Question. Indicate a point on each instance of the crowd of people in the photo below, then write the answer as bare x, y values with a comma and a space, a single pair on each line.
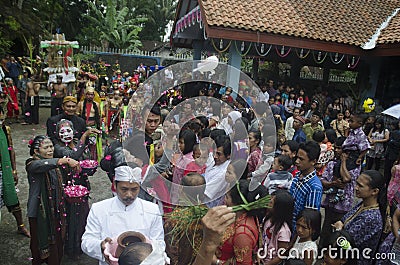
219, 149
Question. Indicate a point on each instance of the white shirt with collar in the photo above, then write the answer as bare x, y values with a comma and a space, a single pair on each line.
216, 185
110, 218
289, 131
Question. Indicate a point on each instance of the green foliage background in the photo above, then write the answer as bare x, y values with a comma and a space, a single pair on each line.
118, 24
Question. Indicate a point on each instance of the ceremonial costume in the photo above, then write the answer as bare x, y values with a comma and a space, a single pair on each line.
8, 195
76, 212
46, 211
12, 107
56, 106
32, 107
78, 122
102, 73
113, 117
95, 143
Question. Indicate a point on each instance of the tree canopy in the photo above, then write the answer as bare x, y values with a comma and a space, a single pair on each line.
118, 24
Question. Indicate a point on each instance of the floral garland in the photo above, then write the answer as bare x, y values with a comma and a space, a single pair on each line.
301, 55
262, 48
242, 49
353, 63
221, 43
318, 60
282, 53
335, 60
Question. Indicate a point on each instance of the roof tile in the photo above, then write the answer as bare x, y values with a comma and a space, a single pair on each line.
342, 21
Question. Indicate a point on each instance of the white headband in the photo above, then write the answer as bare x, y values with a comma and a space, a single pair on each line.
126, 173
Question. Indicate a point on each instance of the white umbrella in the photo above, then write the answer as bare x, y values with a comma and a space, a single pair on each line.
393, 111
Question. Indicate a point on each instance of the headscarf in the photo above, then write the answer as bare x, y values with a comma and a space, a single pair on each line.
70, 98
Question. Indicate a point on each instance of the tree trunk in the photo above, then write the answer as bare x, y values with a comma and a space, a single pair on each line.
19, 4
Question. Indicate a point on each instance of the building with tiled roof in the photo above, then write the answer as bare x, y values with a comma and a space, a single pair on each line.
355, 26
346, 34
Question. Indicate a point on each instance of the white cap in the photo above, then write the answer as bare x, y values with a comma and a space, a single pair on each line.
126, 173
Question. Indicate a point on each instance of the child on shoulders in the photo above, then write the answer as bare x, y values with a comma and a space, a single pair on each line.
200, 156
280, 178
356, 144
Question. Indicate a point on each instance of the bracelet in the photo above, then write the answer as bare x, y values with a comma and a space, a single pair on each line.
15, 171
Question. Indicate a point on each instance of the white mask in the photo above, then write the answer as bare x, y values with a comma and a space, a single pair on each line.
66, 134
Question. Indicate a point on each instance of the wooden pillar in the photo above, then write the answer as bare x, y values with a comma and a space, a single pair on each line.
374, 65
255, 69
197, 48
325, 79
295, 70
233, 76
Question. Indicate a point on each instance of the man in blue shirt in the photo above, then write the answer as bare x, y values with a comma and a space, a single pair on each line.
306, 188
299, 135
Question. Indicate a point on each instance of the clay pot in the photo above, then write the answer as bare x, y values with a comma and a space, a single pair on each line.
127, 238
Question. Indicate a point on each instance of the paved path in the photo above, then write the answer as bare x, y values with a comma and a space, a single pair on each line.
14, 248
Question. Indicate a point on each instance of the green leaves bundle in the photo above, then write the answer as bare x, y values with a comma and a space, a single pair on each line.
187, 219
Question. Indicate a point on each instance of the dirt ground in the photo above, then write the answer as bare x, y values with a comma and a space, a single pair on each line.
14, 248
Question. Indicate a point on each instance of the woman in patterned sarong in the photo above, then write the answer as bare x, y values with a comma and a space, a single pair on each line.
364, 222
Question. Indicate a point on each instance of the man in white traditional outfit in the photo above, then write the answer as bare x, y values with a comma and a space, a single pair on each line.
125, 212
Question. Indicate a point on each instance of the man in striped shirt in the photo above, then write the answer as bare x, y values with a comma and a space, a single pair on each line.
306, 187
